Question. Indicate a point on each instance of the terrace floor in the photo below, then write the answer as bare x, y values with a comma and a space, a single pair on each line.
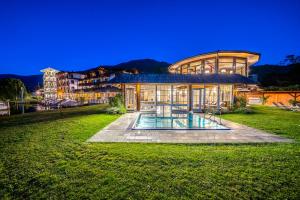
120, 131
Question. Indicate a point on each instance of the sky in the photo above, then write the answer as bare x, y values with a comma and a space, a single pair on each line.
76, 35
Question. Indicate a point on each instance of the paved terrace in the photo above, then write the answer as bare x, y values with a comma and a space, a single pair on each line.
120, 131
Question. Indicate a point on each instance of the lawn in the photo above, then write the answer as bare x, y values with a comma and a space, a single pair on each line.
45, 155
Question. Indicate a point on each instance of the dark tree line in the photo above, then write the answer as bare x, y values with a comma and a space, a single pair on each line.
279, 75
10, 89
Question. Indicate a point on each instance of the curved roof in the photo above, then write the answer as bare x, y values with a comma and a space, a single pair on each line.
181, 78
252, 57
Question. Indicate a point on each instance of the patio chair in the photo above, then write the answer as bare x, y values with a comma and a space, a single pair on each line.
279, 106
284, 106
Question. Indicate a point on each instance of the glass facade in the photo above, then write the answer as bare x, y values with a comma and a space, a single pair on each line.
169, 99
221, 65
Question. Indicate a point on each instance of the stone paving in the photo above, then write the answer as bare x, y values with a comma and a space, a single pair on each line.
120, 131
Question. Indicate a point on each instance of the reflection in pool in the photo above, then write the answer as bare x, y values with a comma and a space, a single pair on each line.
176, 121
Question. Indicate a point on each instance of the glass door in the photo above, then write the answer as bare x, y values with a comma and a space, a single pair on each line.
130, 99
198, 99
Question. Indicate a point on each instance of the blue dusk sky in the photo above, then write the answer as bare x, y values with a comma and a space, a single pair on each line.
75, 35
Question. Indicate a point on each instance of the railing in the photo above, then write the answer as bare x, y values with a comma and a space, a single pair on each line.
211, 112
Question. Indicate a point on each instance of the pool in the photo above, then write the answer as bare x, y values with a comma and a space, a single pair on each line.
149, 121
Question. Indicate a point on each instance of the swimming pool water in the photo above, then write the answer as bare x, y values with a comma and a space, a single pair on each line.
181, 121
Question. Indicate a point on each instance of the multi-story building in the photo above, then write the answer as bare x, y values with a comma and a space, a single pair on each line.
67, 84
86, 87
50, 84
94, 78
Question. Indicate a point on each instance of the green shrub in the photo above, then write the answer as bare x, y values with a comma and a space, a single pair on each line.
116, 101
116, 104
245, 110
293, 102
239, 102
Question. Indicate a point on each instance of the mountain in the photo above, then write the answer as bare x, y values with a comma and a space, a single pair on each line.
144, 66
31, 81
141, 65
277, 75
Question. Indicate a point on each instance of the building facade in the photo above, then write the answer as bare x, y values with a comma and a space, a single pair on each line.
199, 83
85, 87
67, 84
50, 84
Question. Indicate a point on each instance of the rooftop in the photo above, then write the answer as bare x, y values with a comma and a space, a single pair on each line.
181, 78
252, 57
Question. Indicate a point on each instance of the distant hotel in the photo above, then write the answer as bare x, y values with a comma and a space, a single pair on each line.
194, 84
84, 87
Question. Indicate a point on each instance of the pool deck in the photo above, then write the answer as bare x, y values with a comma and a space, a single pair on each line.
120, 131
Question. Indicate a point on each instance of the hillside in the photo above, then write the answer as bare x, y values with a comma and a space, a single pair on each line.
144, 66
277, 75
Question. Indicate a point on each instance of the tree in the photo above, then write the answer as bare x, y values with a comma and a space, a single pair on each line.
291, 59
10, 89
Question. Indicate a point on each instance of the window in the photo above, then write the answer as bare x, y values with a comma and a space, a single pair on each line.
180, 97
225, 95
211, 93
163, 94
197, 66
180, 94
240, 66
209, 66
184, 69
226, 65
148, 97
191, 69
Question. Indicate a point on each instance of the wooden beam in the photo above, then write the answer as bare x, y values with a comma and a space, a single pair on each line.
218, 98
138, 96
190, 97
123, 92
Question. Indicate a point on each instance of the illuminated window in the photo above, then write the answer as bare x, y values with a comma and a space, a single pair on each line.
197, 67
209, 65
225, 64
184, 69
240, 66
148, 97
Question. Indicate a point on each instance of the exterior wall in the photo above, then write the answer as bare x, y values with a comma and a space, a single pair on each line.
275, 96
93, 96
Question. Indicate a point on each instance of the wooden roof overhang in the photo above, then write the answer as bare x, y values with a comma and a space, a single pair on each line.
251, 57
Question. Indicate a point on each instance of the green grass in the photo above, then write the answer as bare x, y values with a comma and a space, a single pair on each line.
270, 119
44, 155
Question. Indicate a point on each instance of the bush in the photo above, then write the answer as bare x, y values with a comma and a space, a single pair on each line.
245, 110
240, 105
293, 102
116, 104
239, 102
